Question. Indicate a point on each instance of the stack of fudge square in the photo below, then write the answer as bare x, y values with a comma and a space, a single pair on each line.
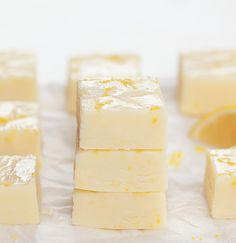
120, 174
19, 139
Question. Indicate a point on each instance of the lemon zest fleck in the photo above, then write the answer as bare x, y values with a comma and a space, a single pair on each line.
126, 82
7, 183
175, 159
107, 91
14, 237
154, 108
154, 120
234, 182
105, 81
99, 105
217, 236
200, 149
130, 167
231, 163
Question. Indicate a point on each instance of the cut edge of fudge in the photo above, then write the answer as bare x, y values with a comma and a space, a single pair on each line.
131, 171
119, 210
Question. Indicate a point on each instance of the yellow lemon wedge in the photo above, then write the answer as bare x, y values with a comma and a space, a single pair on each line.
217, 128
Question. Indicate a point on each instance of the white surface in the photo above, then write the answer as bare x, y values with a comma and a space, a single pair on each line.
187, 209
157, 29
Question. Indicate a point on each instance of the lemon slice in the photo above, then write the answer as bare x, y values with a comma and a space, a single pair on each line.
217, 128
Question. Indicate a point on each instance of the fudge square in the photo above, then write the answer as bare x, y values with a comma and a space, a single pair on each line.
18, 76
220, 183
207, 81
119, 210
98, 65
121, 113
121, 170
19, 128
18, 190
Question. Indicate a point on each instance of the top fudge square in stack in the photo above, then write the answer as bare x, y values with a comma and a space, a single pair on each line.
121, 113
18, 76
98, 66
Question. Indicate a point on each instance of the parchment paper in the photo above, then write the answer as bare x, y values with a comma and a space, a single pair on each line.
188, 219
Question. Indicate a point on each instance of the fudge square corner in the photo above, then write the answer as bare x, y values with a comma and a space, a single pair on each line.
121, 113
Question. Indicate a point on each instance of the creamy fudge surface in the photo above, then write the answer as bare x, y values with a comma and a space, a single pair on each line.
211, 62
134, 86
220, 183
19, 128
17, 64
15, 110
18, 79
100, 65
129, 113
224, 161
119, 210
205, 78
17, 169
18, 115
211, 66
97, 66
31, 123
121, 170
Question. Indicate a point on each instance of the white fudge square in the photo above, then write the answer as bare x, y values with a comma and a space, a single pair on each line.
121, 170
121, 113
19, 128
205, 79
18, 190
220, 183
18, 76
119, 210
97, 66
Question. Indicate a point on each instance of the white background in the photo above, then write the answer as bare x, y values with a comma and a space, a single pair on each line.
158, 30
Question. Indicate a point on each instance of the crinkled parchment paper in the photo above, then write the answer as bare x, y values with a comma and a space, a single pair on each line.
188, 219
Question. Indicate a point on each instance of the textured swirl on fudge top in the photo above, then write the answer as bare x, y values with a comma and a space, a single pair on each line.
125, 93
18, 115
16, 169
17, 64
210, 63
103, 65
224, 161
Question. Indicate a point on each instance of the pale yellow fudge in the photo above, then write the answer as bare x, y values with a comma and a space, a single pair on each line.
207, 81
220, 183
18, 76
19, 128
121, 170
97, 66
121, 113
18, 190
119, 210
